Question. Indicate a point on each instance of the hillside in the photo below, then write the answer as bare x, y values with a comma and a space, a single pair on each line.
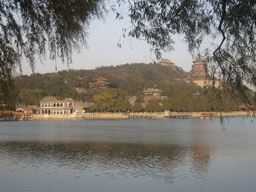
133, 78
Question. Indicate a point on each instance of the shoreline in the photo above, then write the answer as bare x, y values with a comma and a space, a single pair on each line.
140, 115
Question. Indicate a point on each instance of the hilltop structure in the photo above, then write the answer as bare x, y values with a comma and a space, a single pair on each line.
166, 62
100, 83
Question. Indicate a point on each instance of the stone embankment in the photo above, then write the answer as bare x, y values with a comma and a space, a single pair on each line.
141, 115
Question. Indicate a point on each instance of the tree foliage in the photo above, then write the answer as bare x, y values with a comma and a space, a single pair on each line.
137, 107
111, 100
153, 105
29, 27
233, 21
132, 79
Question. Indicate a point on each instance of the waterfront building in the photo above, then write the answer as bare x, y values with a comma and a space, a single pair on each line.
51, 106
245, 107
30, 109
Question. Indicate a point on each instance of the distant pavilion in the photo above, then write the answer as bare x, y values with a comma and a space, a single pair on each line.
166, 62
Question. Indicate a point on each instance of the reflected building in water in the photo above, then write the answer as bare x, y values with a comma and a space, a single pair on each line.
200, 151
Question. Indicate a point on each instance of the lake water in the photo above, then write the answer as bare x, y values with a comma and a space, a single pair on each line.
129, 155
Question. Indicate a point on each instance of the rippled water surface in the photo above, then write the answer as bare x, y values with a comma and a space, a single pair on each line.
129, 155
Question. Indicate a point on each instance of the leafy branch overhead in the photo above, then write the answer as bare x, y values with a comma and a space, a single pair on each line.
31, 27
234, 21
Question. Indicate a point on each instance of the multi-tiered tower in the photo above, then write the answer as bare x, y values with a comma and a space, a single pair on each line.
199, 70
200, 76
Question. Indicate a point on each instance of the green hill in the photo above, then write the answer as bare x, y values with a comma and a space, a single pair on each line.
132, 78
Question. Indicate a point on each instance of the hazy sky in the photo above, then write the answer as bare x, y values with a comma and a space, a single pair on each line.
103, 50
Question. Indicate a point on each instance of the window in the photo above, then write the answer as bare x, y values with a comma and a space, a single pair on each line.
61, 104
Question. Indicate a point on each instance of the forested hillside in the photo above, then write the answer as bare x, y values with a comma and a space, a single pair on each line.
131, 78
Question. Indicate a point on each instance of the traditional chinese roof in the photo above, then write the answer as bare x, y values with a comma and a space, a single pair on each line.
199, 61
102, 82
101, 79
49, 99
165, 62
68, 99
152, 90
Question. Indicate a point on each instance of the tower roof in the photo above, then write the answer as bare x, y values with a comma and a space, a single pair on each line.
165, 62
49, 98
199, 61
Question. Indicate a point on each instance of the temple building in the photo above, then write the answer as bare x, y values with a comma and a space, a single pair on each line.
100, 83
152, 93
199, 70
166, 62
200, 76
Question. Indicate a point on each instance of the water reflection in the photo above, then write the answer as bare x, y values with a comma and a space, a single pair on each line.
128, 158
148, 155
200, 150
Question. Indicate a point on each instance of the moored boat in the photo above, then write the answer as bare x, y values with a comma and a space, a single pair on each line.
208, 115
3, 119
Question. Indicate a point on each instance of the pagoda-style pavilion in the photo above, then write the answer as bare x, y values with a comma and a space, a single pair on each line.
100, 83
199, 71
166, 62
152, 93
200, 76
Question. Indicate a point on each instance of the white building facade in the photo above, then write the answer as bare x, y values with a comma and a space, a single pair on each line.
51, 106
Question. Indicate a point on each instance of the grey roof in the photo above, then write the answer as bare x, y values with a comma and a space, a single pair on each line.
68, 99
152, 90
53, 99
49, 98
